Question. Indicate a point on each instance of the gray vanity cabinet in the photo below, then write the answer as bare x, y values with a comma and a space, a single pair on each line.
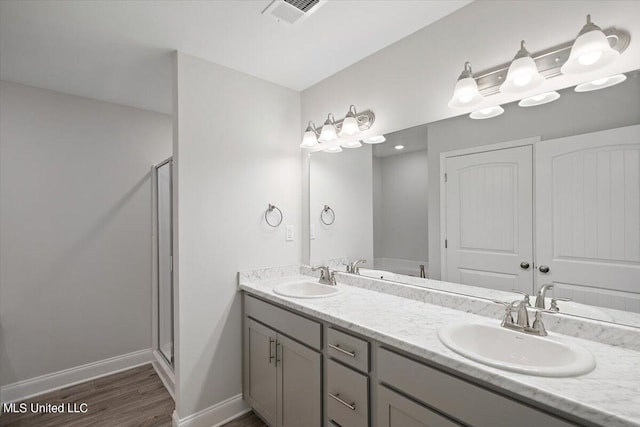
282, 378
395, 410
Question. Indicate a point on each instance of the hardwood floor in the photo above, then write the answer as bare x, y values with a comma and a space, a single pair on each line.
249, 419
135, 397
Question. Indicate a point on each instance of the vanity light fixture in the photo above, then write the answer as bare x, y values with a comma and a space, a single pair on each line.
591, 51
328, 132
487, 113
466, 92
601, 83
594, 48
376, 139
350, 123
334, 149
345, 132
399, 147
310, 138
543, 98
523, 74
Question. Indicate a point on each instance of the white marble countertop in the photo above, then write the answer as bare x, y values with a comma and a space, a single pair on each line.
608, 396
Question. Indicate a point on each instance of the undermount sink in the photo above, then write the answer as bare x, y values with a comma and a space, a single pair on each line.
306, 289
376, 274
515, 351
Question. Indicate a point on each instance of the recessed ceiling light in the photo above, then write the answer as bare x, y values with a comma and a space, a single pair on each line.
601, 83
543, 98
399, 147
487, 113
377, 139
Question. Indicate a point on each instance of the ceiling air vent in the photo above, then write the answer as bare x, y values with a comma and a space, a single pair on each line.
291, 11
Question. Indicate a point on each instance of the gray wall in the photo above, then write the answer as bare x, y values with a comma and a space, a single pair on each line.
400, 212
75, 226
343, 181
236, 150
573, 114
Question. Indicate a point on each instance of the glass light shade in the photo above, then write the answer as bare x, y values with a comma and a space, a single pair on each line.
487, 113
601, 83
349, 127
336, 149
354, 143
376, 139
543, 98
465, 94
591, 51
522, 76
309, 139
328, 133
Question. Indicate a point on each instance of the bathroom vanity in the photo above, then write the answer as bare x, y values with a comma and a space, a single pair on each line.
364, 357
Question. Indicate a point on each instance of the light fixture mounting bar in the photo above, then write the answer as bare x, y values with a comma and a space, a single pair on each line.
548, 61
365, 121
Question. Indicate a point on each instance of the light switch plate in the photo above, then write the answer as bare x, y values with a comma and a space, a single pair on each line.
289, 233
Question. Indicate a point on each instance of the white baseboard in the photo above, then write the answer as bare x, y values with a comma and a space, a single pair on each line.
32, 387
215, 415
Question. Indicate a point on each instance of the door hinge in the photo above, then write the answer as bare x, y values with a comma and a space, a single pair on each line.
445, 177
445, 243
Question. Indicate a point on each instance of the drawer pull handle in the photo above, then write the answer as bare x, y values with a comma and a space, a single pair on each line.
336, 396
342, 350
271, 356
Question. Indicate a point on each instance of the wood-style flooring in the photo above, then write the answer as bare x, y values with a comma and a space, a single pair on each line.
249, 419
135, 397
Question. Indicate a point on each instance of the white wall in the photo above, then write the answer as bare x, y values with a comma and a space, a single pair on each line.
75, 227
344, 182
236, 150
400, 220
573, 114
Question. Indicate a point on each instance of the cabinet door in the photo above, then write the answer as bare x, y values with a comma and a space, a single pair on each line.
395, 410
299, 384
260, 373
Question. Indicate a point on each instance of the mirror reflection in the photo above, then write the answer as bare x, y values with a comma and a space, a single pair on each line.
543, 200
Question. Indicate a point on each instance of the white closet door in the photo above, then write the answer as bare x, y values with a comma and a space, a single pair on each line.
588, 216
489, 216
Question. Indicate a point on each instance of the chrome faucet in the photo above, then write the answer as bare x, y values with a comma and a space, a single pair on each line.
353, 267
327, 277
521, 324
542, 292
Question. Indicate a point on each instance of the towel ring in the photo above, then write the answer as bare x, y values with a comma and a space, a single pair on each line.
270, 209
333, 215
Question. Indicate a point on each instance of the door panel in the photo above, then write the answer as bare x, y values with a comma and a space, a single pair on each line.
588, 214
489, 216
299, 384
260, 380
394, 410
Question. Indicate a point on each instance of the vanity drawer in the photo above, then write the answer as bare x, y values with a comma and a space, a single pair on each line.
348, 349
300, 328
458, 398
347, 396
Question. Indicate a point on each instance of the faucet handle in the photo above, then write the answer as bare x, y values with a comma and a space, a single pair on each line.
508, 317
554, 304
526, 296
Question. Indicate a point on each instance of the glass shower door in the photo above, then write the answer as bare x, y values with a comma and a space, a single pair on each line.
164, 173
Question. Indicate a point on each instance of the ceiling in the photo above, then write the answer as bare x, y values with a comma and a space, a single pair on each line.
120, 51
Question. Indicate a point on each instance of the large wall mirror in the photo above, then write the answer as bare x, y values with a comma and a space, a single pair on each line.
546, 195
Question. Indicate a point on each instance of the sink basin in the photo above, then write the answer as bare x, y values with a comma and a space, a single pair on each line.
515, 351
376, 274
306, 289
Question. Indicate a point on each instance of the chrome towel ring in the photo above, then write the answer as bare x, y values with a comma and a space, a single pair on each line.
269, 210
326, 210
